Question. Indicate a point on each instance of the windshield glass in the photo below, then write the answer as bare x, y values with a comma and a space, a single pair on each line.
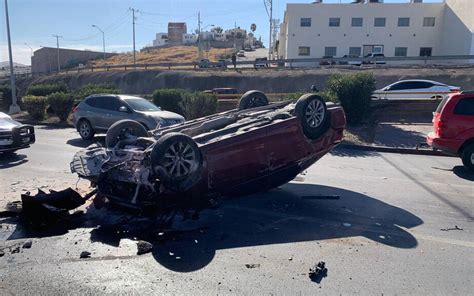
139, 104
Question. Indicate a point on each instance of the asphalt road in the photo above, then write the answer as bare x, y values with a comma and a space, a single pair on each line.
386, 232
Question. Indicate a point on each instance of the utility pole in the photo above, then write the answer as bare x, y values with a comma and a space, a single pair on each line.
235, 34
133, 22
14, 108
103, 39
269, 8
199, 36
57, 46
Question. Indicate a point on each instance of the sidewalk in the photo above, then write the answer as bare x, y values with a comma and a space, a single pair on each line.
408, 135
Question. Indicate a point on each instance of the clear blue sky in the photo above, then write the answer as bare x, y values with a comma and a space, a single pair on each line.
35, 21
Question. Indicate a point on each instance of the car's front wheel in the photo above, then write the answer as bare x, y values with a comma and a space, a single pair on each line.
467, 157
312, 111
85, 129
122, 130
177, 161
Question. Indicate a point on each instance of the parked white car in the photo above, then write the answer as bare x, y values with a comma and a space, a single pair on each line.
415, 89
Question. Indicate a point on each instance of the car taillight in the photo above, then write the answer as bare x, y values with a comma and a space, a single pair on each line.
440, 128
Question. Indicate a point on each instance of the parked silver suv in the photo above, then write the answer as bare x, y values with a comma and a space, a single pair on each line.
97, 113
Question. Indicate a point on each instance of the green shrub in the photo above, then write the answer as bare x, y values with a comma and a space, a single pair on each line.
170, 100
46, 89
61, 104
353, 92
199, 104
92, 89
189, 104
6, 97
36, 106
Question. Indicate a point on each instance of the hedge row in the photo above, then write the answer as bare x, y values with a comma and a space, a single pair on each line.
189, 104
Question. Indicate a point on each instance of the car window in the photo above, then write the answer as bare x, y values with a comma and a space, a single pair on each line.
139, 104
96, 102
465, 107
442, 104
399, 86
111, 103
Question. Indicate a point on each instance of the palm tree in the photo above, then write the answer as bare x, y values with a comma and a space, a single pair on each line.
253, 27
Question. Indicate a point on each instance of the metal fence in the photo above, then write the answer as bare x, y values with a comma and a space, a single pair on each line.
263, 64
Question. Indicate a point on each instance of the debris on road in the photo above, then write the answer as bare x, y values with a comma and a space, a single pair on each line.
27, 245
85, 254
253, 265
318, 272
321, 197
143, 247
448, 229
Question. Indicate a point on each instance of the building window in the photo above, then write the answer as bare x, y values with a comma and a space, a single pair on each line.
357, 21
401, 51
330, 51
305, 22
379, 22
425, 51
403, 21
429, 22
355, 51
303, 51
334, 22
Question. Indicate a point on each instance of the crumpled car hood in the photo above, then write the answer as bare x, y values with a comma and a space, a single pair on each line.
7, 123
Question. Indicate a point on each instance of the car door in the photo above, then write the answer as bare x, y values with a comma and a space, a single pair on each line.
461, 124
397, 90
94, 112
112, 112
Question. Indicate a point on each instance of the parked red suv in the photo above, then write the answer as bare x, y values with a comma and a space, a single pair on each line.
453, 123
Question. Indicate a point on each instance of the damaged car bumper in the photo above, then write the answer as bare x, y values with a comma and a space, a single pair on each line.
18, 137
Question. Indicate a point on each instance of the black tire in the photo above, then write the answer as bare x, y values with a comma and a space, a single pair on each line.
172, 154
123, 128
312, 111
85, 129
467, 157
252, 99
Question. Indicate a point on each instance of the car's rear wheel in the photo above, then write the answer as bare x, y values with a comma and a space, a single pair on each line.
85, 129
177, 161
467, 157
312, 111
252, 99
122, 130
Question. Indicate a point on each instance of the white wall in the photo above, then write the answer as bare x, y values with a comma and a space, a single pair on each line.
160, 40
458, 33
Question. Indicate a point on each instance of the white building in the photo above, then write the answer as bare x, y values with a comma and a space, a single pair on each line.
395, 29
161, 39
189, 38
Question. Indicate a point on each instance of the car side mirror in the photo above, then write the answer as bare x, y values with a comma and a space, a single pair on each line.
123, 109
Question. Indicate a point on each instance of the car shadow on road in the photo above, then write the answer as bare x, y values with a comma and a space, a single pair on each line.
293, 213
463, 172
79, 142
10, 160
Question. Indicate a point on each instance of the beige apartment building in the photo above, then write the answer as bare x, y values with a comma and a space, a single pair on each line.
407, 29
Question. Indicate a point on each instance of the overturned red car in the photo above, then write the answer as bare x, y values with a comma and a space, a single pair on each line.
254, 148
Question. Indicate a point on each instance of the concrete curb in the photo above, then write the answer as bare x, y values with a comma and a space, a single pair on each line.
394, 150
48, 124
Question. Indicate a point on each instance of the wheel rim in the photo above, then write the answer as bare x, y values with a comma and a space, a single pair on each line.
472, 158
180, 160
255, 102
315, 113
85, 129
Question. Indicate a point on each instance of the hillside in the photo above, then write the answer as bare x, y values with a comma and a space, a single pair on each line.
175, 54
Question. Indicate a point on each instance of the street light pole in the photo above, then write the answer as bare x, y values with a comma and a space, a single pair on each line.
57, 46
14, 108
103, 39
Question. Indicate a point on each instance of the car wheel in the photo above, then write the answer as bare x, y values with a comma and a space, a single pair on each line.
312, 111
85, 129
124, 129
467, 157
177, 161
252, 99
